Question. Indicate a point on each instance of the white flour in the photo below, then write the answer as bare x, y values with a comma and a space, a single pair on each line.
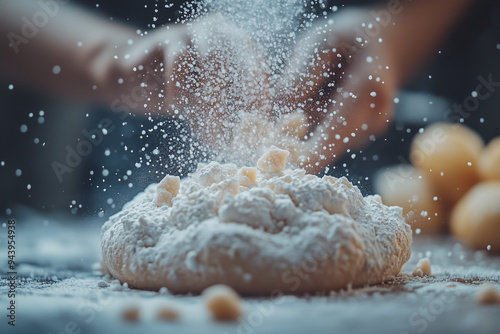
287, 231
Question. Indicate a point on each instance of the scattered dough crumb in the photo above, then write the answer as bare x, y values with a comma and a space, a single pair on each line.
487, 294
223, 302
167, 313
247, 176
167, 189
131, 314
273, 161
102, 284
423, 267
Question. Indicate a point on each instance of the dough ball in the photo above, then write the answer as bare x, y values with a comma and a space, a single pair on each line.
131, 314
409, 188
449, 155
290, 231
223, 302
489, 161
475, 220
487, 294
167, 313
423, 268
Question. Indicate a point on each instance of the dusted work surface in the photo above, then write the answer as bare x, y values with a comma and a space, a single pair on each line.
57, 292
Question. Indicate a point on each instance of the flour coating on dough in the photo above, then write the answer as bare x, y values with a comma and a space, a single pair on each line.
283, 231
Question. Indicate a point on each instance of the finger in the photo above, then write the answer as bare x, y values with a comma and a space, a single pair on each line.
314, 62
357, 111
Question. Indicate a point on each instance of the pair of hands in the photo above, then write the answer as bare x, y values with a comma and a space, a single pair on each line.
213, 71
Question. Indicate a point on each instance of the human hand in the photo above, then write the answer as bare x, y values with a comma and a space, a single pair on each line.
212, 71
345, 86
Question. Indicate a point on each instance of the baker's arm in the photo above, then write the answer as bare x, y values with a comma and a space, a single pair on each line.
62, 49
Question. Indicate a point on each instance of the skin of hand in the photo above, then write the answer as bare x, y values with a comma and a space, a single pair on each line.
206, 71
345, 80
212, 71
346, 88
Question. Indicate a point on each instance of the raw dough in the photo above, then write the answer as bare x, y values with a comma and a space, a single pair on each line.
487, 294
167, 313
131, 314
223, 303
475, 220
423, 268
286, 231
449, 155
489, 161
409, 188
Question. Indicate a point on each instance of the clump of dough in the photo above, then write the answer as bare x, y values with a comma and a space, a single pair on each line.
131, 314
449, 155
167, 189
252, 238
423, 268
475, 220
489, 161
247, 176
487, 294
273, 161
409, 188
223, 303
167, 313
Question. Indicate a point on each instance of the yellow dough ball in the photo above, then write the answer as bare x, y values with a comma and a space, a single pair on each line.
408, 187
475, 220
449, 154
489, 161
223, 302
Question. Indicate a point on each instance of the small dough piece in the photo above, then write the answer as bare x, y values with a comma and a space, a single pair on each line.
167, 189
487, 294
489, 161
423, 268
449, 155
273, 161
131, 314
475, 220
167, 313
102, 284
223, 302
247, 176
409, 188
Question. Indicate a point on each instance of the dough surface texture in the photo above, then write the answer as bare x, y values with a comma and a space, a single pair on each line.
259, 233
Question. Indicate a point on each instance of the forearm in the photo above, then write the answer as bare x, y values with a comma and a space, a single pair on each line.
72, 53
415, 33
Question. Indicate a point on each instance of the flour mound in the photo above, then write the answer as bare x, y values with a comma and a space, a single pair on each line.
281, 231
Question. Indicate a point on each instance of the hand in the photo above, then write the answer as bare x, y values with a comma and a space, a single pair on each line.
213, 72
345, 87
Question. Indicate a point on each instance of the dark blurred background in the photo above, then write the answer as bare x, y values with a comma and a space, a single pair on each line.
35, 129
